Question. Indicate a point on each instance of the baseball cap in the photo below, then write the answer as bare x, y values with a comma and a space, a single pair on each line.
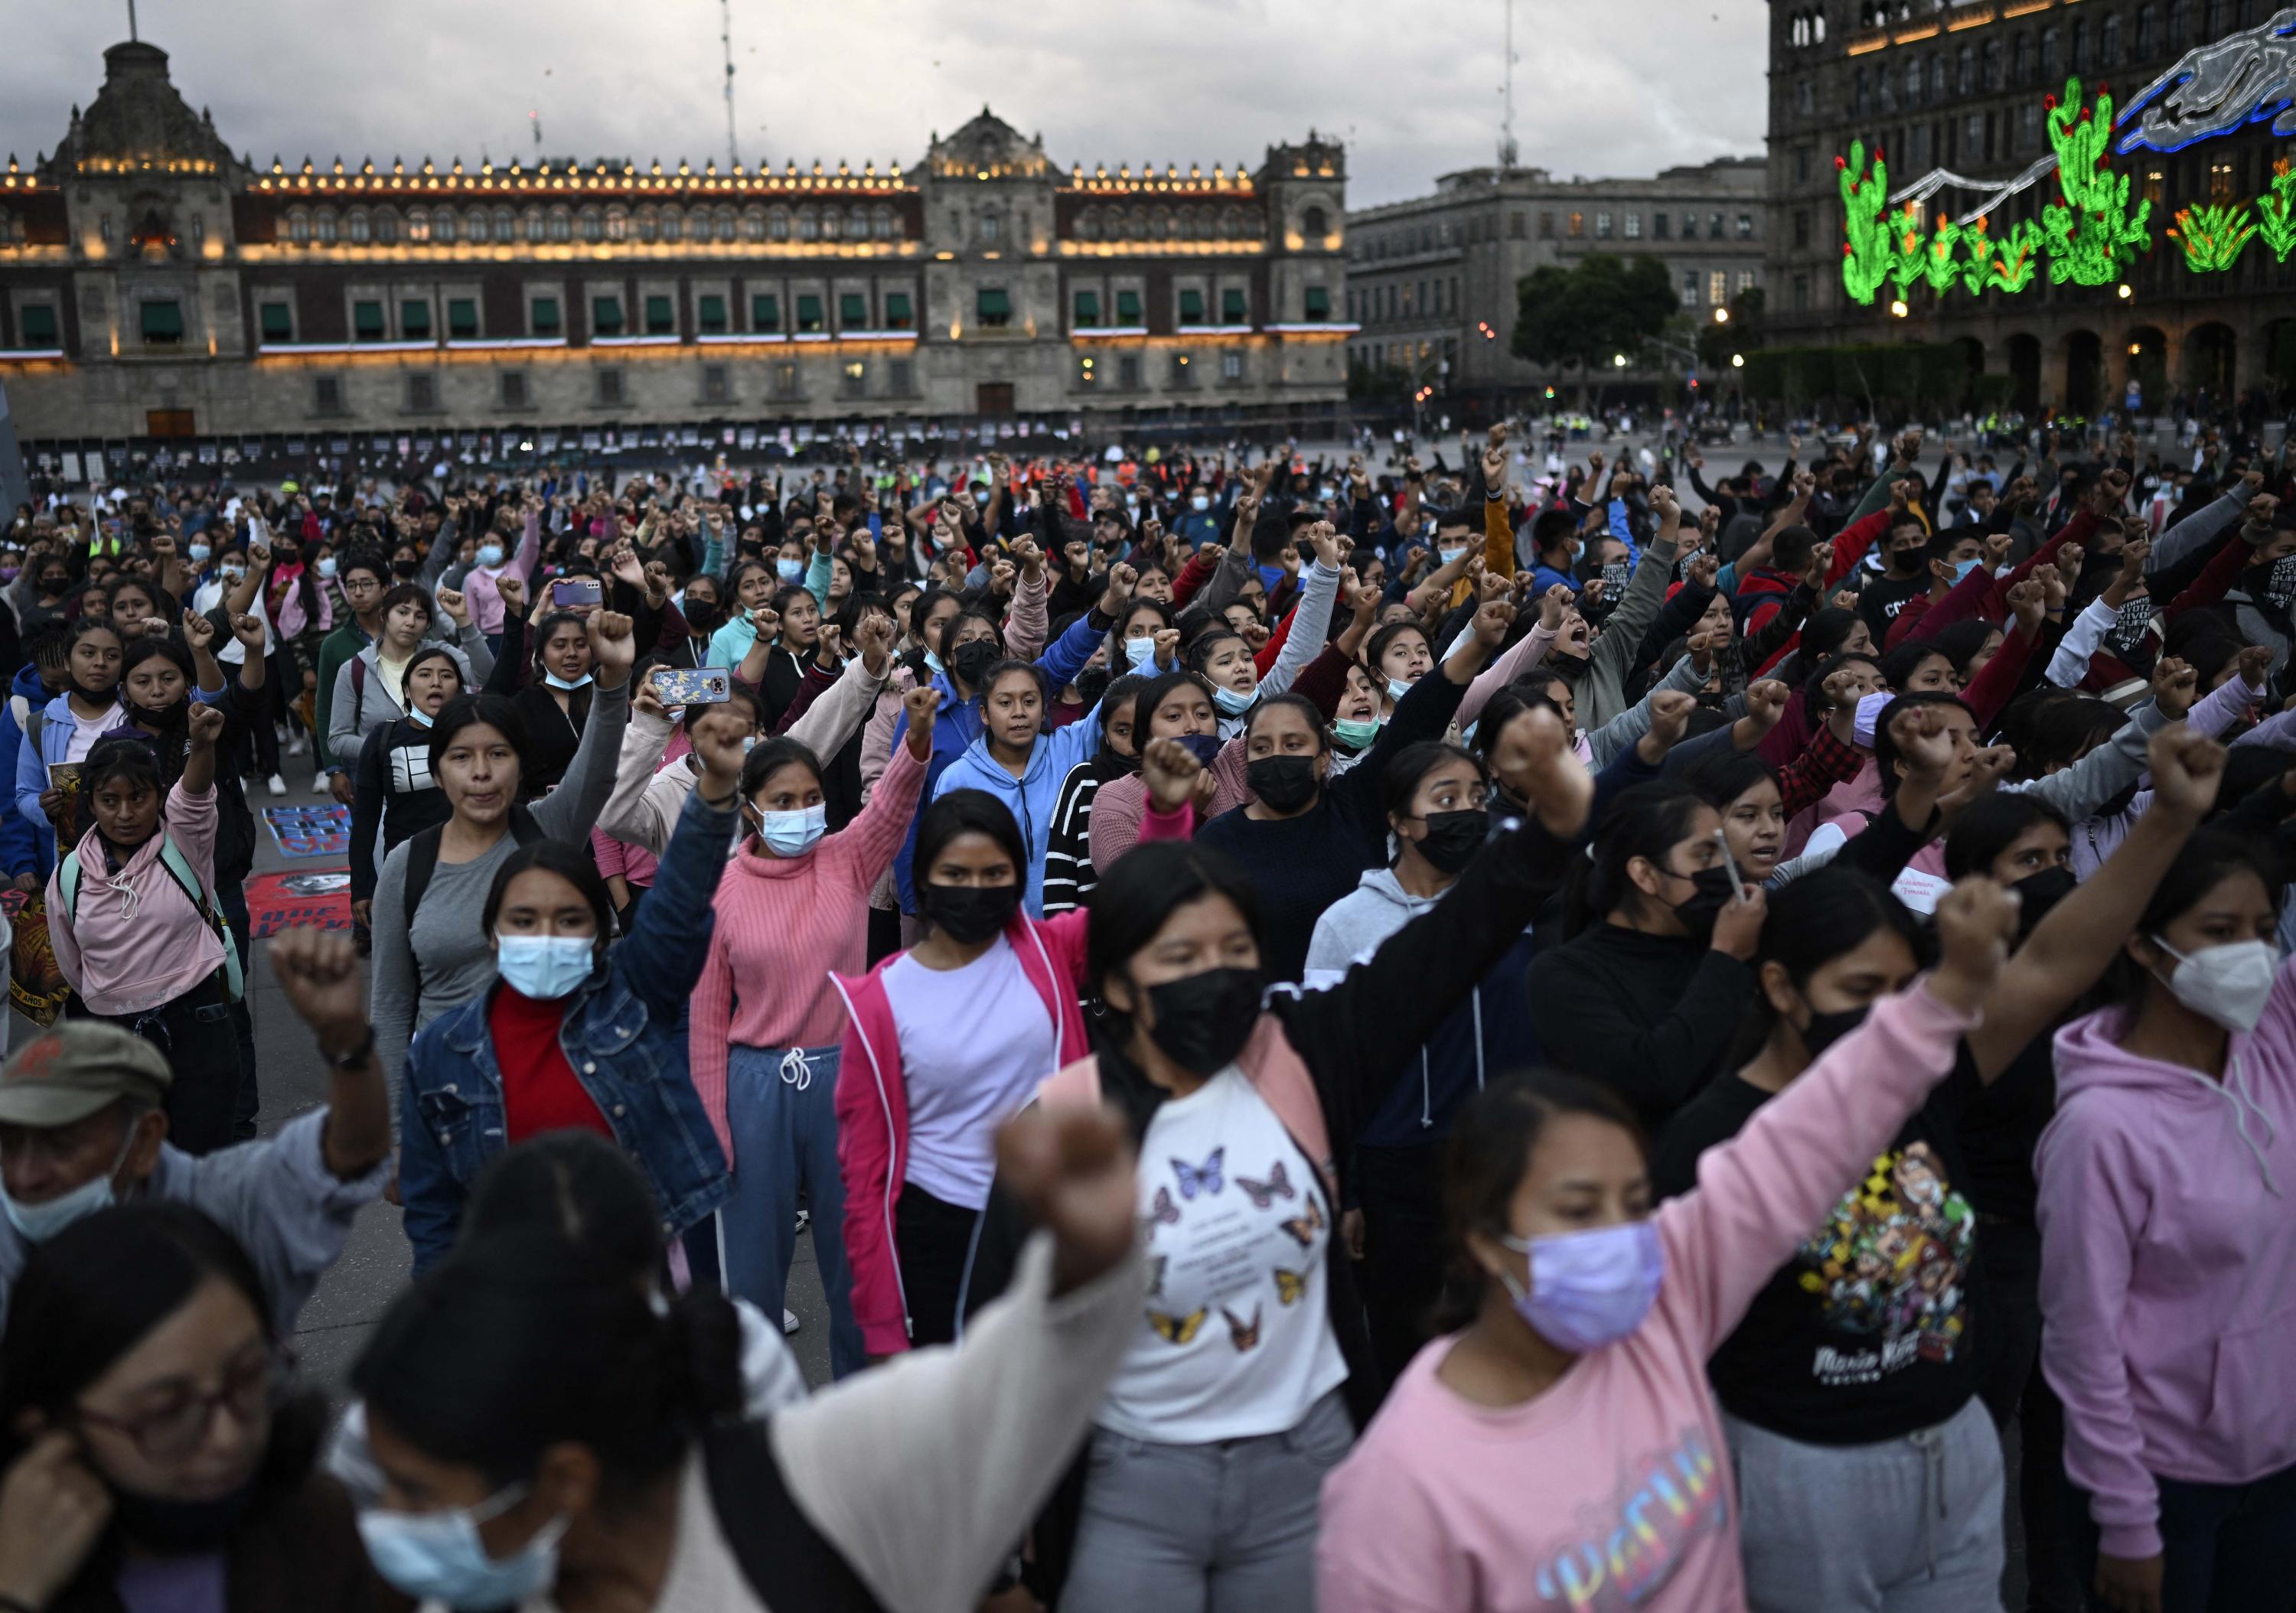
78, 1066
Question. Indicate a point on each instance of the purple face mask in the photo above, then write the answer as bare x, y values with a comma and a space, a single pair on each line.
1590, 1289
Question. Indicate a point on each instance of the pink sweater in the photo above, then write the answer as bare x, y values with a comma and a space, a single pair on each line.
1612, 1489
783, 924
136, 941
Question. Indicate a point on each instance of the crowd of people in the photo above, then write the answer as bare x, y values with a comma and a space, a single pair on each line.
1346, 1029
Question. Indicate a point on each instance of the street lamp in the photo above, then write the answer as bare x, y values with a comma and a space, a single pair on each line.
1721, 316
2125, 291
1737, 361
1618, 361
1898, 309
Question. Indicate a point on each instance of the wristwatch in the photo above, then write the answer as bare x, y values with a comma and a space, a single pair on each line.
355, 1058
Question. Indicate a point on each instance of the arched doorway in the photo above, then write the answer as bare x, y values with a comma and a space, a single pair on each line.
2025, 373
2083, 384
2280, 358
2145, 369
2208, 366
1973, 357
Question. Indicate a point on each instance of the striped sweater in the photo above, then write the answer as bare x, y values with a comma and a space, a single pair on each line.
783, 924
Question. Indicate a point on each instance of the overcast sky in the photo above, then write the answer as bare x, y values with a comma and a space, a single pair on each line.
1625, 88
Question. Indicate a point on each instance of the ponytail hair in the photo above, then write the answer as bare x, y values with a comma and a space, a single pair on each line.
1646, 820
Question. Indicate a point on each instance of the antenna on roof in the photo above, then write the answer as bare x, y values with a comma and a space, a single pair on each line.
725, 37
1506, 121
132, 36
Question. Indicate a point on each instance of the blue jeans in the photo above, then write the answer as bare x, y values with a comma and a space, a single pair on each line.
780, 1104
2224, 1546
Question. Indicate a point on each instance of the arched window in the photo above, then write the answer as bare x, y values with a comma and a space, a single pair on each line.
418, 226
881, 223
594, 224
1912, 84
753, 224
1087, 226
298, 227
2108, 42
2148, 30
1964, 70
442, 224
1936, 77
386, 226
505, 224
562, 224
1314, 224
475, 227
777, 225
1992, 64
992, 225
671, 226
649, 224
2052, 44
2180, 21
1137, 226
530, 225
808, 224
729, 224
1159, 225
618, 224
856, 224
360, 231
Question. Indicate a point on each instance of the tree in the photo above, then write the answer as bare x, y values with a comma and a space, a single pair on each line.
1743, 334
1580, 317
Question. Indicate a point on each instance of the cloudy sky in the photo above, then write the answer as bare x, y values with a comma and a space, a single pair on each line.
1624, 88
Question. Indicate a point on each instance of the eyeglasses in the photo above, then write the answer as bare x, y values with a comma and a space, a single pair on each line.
173, 1432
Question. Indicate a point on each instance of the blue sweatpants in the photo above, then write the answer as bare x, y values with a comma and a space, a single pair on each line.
780, 1104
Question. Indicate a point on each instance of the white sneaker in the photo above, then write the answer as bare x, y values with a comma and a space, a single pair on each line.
277, 785
298, 746
789, 1321
319, 783
804, 1219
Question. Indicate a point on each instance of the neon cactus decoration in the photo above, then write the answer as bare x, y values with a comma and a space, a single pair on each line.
1907, 255
2092, 235
1941, 267
1866, 255
2016, 260
2212, 236
2275, 211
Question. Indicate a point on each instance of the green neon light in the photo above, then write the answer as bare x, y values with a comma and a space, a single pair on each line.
2275, 211
2212, 236
2093, 236
1865, 255
1941, 265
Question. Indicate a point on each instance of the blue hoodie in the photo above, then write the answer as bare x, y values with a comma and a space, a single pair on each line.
1033, 795
27, 845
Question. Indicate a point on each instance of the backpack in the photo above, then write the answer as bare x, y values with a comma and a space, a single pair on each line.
772, 1543
358, 691
423, 863
179, 868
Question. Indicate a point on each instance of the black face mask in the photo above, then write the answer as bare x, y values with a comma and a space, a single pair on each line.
1698, 911
969, 913
174, 715
406, 568
1824, 1030
2038, 892
1203, 1021
702, 615
1284, 784
1453, 839
173, 1527
1204, 746
972, 661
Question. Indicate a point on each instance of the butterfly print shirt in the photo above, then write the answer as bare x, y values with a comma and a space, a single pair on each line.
1234, 1338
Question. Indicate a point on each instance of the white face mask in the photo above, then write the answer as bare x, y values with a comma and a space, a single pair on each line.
2229, 985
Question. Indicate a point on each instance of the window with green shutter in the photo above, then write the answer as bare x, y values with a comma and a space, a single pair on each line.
542, 314
40, 326
462, 318
606, 315
278, 322
852, 312
368, 323
1319, 303
898, 316
1087, 309
712, 315
765, 311
163, 322
994, 307
413, 319
1127, 308
1192, 307
1231, 306
661, 316
809, 314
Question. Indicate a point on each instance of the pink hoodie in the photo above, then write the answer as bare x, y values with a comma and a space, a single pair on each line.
2168, 1265
1613, 1490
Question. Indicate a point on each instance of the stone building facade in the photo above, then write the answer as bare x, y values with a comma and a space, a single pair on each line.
152, 285
1432, 279
1969, 88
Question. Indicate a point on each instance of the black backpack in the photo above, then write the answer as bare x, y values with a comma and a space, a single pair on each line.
788, 1563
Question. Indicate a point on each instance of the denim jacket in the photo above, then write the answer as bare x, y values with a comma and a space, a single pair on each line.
624, 1033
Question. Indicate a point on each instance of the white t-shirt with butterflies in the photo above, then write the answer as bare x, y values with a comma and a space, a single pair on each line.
1236, 1340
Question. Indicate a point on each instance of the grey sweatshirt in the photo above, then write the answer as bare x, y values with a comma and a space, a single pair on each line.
457, 961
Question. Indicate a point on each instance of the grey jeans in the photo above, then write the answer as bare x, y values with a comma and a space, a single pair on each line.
1227, 1527
1911, 1525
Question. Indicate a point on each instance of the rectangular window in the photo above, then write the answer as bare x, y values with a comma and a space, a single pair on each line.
1575, 226
368, 323
414, 318
462, 318
1802, 165
1231, 306
606, 315
1713, 227
898, 316
1545, 226
853, 380
39, 322
1191, 307
327, 394
1801, 227
712, 315
1717, 286
1801, 293
1319, 303
278, 320
421, 394
1745, 280
1690, 226
1689, 288
1602, 227
717, 383
1231, 365
1659, 222
1087, 309
1180, 375
852, 312
513, 388
809, 314
994, 307
610, 388
1746, 226
784, 381
900, 375
1515, 223
1633, 226
661, 315
1128, 372
542, 317
765, 311
1128, 308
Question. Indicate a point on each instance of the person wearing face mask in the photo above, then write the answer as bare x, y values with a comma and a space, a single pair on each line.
481, 584
1438, 818
1069, 872
371, 683
84, 1125
1248, 1368
68, 728
398, 796
790, 909
944, 1043
554, 701
573, 1034
158, 1452
1576, 1387
2164, 1237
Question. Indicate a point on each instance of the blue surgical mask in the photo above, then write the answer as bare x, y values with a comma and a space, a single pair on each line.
1450, 554
933, 664
792, 834
1270, 577
38, 1222
789, 570
199, 553
1204, 746
418, 717
1963, 568
556, 681
1588, 1289
544, 967
326, 565
490, 555
1199, 502
439, 1556
1140, 652
1234, 704
1356, 734
1397, 688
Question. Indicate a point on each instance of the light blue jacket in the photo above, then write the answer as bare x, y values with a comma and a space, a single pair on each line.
1032, 796
731, 641
32, 765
